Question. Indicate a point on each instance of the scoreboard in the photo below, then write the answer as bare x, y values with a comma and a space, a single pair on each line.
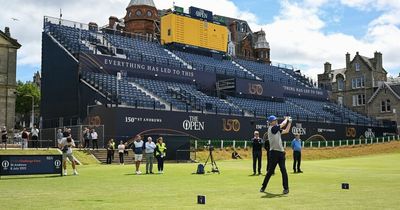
183, 29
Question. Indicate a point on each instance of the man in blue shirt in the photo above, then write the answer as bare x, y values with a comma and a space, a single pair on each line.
275, 131
296, 146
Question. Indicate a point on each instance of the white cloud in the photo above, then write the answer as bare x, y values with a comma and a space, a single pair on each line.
296, 37
372, 4
296, 34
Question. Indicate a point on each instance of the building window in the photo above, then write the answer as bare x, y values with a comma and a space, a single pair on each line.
138, 13
385, 106
359, 100
340, 100
169, 32
340, 84
358, 82
149, 13
357, 66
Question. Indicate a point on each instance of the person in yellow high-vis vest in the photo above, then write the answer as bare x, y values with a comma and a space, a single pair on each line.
161, 150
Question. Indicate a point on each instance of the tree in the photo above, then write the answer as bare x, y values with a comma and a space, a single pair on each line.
24, 100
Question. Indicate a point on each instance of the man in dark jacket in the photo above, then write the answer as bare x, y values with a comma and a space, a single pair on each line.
257, 152
267, 148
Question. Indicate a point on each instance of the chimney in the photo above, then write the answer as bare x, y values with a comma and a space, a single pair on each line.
347, 61
111, 22
7, 31
327, 68
378, 61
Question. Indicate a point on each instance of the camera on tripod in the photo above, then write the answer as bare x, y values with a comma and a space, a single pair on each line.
210, 147
214, 167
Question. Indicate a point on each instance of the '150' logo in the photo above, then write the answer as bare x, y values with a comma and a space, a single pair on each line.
229, 125
256, 89
351, 132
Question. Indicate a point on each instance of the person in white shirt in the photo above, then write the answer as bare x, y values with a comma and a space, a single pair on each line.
66, 145
149, 150
138, 150
59, 136
94, 139
35, 137
121, 150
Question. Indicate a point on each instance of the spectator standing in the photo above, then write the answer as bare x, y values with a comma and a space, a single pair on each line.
138, 150
59, 136
113, 149
35, 137
121, 150
161, 150
24, 136
109, 148
257, 152
149, 151
94, 136
296, 146
4, 136
86, 138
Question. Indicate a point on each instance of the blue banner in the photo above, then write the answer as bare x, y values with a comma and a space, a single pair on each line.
30, 164
112, 65
258, 88
277, 90
298, 91
124, 123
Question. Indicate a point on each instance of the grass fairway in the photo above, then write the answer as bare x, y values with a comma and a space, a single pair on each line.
374, 184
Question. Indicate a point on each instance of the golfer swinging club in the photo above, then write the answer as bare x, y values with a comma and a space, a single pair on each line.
277, 151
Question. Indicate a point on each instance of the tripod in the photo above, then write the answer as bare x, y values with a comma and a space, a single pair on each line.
214, 167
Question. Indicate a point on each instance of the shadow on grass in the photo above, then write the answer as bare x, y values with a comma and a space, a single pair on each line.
29, 177
272, 195
256, 175
143, 174
88, 200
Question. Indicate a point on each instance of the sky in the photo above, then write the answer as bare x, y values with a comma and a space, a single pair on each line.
301, 33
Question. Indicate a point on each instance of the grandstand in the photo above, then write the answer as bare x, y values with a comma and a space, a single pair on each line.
167, 80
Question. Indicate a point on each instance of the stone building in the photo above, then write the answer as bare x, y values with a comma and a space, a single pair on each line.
261, 47
363, 86
8, 64
246, 43
353, 85
36, 80
385, 103
141, 18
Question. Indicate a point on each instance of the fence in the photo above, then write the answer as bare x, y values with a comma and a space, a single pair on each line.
198, 144
76, 133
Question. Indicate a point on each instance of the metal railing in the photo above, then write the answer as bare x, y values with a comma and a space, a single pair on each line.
222, 144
